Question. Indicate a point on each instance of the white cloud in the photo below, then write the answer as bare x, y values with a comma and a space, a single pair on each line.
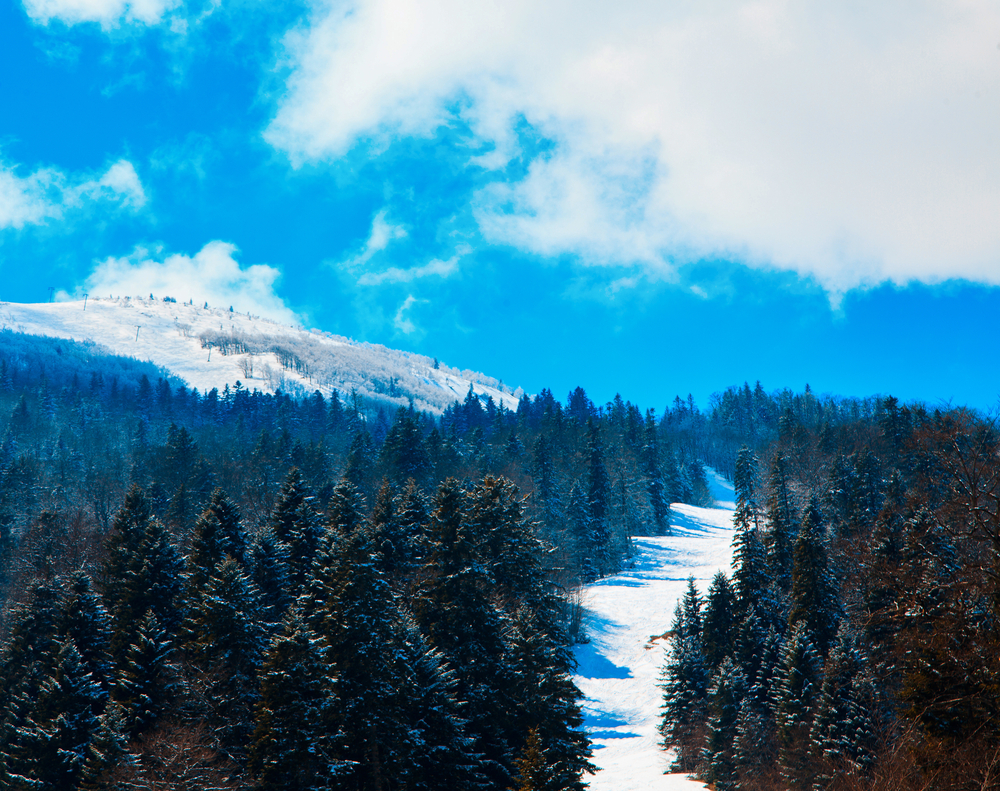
107, 13
402, 322
382, 234
47, 193
394, 274
212, 275
856, 142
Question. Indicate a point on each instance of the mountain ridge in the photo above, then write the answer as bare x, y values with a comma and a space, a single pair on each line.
214, 347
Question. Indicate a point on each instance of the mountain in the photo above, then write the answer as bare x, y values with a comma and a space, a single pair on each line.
214, 347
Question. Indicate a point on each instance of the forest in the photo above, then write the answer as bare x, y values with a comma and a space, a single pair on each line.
239, 590
856, 643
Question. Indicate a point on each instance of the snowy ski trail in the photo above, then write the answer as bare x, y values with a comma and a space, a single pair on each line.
619, 669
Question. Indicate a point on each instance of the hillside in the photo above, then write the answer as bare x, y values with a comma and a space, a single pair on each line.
619, 669
214, 347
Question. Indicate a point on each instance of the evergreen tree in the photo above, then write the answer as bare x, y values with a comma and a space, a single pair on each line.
750, 573
782, 523
225, 640
85, 621
685, 688
797, 690
598, 486
747, 514
295, 740
53, 740
218, 533
814, 595
147, 683
725, 695
719, 630
142, 572
454, 610
844, 731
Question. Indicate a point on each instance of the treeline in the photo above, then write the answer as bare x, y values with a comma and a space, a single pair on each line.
857, 642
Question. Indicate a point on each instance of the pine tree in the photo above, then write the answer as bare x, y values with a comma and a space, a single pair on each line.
844, 729
453, 608
85, 621
685, 688
720, 627
782, 523
796, 696
147, 682
225, 640
750, 573
726, 692
218, 533
53, 740
598, 488
814, 595
298, 529
295, 740
747, 514
142, 572
548, 703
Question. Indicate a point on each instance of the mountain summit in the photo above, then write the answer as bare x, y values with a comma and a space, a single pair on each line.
214, 347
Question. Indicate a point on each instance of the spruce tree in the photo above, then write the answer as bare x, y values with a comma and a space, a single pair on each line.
294, 743
796, 697
52, 741
720, 627
685, 688
814, 594
782, 523
225, 640
726, 693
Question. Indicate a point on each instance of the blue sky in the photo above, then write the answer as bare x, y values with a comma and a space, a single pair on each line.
653, 200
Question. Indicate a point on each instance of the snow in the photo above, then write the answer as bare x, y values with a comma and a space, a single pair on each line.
173, 335
626, 616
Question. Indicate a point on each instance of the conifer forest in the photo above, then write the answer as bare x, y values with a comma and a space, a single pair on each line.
234, 590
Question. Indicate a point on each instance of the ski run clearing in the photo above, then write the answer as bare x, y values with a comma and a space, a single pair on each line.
625, 617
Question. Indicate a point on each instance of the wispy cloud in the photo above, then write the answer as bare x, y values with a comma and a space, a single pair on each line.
854, 143
107, 13
382, 234
211, 275
402, 322
48, 193
436, 268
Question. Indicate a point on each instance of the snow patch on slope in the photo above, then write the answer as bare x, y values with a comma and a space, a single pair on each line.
212, 347
627, 614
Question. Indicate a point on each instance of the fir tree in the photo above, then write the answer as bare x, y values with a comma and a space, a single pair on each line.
796, 694
814, 595
725, 694
685, 688
719, 630
295, 740
147, 683
781, 522
53, 740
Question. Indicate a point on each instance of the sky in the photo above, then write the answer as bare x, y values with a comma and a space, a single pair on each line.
643, 197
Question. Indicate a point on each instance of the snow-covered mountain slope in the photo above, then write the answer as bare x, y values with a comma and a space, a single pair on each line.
213, 347
619, 669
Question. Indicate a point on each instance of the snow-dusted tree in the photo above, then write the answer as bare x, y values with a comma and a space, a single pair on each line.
685, 687
844, 729
294, 744
224, 639
720, 626
815, 601
726, 692
795, 699
782, 523
54, 731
